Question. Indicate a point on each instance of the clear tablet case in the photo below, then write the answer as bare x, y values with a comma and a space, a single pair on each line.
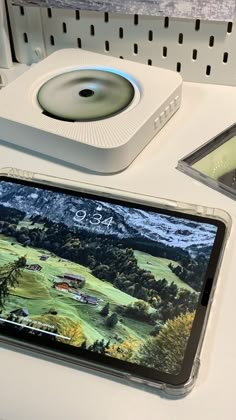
214, 163
91, 367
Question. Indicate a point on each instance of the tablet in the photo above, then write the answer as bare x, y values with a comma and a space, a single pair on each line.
117, 285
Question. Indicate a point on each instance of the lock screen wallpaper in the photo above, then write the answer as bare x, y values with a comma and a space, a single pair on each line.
110, 278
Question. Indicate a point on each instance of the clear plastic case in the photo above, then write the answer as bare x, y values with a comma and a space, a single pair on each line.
192, 209
214, 163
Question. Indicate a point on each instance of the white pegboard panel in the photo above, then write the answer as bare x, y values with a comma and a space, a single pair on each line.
27, 33
202, 51
5, 50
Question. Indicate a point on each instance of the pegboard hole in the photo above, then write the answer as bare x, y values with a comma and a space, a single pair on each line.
181, 38
107, 46
77, 15
208, 70
49, 12
166, 22
211, 41
197, 25
135, 19
52, 41
178, 67
230, 27
194, 55
106, 17
79, 43
22, 11
121, 57
225, 57
135, 49
64, 28
149, 62
150, 36
121, 33
164, 52
25, 37
92, 30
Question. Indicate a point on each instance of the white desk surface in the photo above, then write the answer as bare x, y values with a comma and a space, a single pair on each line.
34, 389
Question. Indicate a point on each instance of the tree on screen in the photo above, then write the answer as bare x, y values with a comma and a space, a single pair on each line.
72, 333
98, 346
125, 350
112, 320
166, 351
105, 310
9, 277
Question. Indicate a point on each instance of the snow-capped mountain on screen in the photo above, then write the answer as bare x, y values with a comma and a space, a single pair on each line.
119, 220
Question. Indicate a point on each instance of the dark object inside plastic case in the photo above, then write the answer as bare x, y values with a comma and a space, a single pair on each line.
214, 164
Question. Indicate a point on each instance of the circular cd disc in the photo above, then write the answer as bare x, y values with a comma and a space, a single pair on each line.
85, 95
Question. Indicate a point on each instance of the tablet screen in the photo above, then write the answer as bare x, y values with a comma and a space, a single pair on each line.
118, 282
